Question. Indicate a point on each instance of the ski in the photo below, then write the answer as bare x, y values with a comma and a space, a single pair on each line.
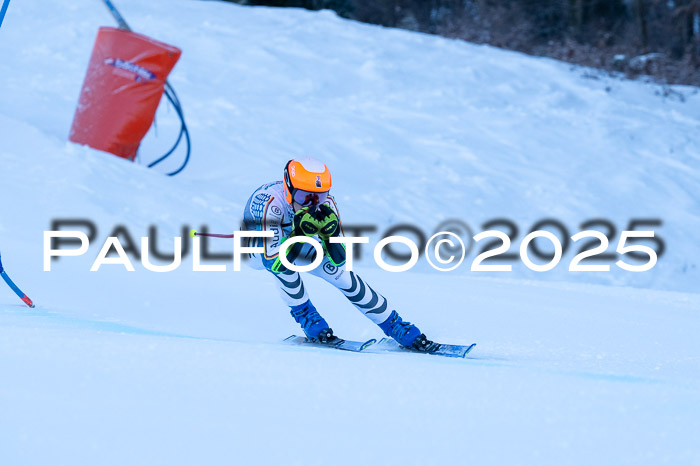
338, 343
438, 349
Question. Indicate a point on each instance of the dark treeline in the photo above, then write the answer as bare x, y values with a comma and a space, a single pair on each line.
656, 37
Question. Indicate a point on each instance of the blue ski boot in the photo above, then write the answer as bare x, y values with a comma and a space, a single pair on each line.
315, 327
405, 333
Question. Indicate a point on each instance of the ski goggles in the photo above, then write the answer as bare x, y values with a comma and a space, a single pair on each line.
308, 198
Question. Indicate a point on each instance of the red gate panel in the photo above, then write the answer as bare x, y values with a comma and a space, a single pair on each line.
121, 92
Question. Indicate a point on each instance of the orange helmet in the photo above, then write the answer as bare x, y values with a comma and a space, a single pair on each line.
306, 181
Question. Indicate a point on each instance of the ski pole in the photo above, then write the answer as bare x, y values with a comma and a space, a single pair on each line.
14, 287
194, 233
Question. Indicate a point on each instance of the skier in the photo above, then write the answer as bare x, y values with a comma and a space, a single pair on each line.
301, 205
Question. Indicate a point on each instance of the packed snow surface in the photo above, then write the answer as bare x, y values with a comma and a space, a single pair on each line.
118, 367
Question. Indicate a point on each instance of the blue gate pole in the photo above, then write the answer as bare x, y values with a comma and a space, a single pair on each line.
3, 10
20, 294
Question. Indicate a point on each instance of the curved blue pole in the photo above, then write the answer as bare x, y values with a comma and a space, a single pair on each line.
3, 10
14, 287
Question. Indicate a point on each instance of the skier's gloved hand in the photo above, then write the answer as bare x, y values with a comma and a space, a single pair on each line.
305, 224
328, 221
292, 253
330, 228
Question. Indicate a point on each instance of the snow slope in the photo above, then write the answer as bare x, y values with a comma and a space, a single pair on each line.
121, 367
